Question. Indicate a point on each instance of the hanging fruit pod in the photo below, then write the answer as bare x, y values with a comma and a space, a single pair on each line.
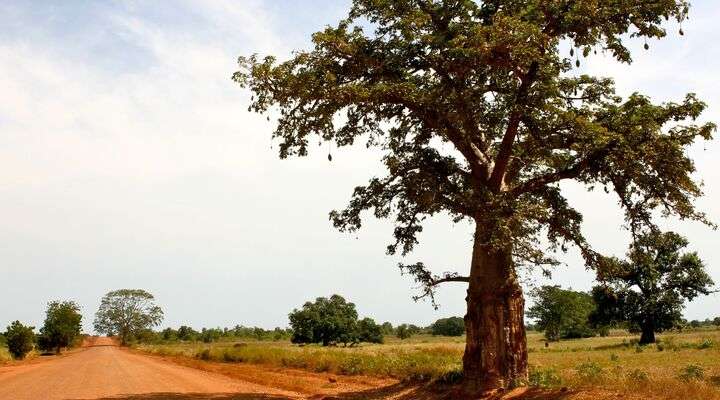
647, 46
329, 157
682, 33
577, 63
572, 52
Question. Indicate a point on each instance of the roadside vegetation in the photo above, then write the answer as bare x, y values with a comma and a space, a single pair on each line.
61, 330
682, 364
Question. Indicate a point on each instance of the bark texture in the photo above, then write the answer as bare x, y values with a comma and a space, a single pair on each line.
495, 351
648, 334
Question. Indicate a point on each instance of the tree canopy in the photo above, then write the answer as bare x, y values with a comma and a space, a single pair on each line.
480, 115
648, 289
63, 323
330, 321
562, 313
20, 339
126, 312
453, 326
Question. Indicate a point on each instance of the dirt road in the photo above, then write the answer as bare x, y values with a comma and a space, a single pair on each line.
103, 371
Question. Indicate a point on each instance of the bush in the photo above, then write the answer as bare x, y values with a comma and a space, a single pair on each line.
692, 372
20, 339
368, 331
590, 371
544, 377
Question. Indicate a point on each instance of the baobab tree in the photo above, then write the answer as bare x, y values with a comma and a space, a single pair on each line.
480, 116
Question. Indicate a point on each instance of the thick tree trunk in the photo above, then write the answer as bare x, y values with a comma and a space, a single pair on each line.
648, 334
496, 349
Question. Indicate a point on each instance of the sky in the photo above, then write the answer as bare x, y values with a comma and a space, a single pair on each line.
128, 160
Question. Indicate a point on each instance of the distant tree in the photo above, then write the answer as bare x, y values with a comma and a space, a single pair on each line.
387, 328
649, 288
327, 321
695, 324
478, 114
716, 321
403, 331
169, 334
368, 331
561, 313
20, 339
453, 326
187, 334
126, 312
63, 323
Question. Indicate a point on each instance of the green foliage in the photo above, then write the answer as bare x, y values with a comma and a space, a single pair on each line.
187, 333
63, 323
327, 321
488, 80
403, 331
648, 290
590, 371
20, 339
453, 326
387, 328
126, 312
562, 313
544, 377
368, 331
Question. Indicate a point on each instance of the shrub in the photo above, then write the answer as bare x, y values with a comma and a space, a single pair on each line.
20, 339
692, 372
368, 331
590, 371
544, 377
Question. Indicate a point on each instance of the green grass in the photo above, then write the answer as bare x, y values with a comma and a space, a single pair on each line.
660, 371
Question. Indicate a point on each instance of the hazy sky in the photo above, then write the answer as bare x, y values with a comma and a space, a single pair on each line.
128, 160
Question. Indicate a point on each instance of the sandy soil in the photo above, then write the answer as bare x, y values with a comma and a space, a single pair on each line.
103, 371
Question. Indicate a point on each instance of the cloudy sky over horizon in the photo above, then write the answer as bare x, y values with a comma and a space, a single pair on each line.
128, 159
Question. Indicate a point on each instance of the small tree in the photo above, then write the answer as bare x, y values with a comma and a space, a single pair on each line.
368, 331
63, 323
20, 339
403, 331
648, 290
187, 334
126, 312
716, 321
327, 321
561, 313
387, 328
453, 326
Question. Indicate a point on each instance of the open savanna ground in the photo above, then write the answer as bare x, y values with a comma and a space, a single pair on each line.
683, 365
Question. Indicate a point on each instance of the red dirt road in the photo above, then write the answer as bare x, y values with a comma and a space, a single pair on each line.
103, 371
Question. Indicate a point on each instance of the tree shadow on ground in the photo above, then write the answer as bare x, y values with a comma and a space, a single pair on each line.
396, 392
197, 396
402, 391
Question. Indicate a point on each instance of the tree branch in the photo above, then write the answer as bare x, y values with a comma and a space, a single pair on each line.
505, 151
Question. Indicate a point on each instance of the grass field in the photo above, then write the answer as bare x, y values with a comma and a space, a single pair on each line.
683, 365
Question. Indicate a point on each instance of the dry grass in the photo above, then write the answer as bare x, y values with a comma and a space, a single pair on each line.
4, 355
682, 366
